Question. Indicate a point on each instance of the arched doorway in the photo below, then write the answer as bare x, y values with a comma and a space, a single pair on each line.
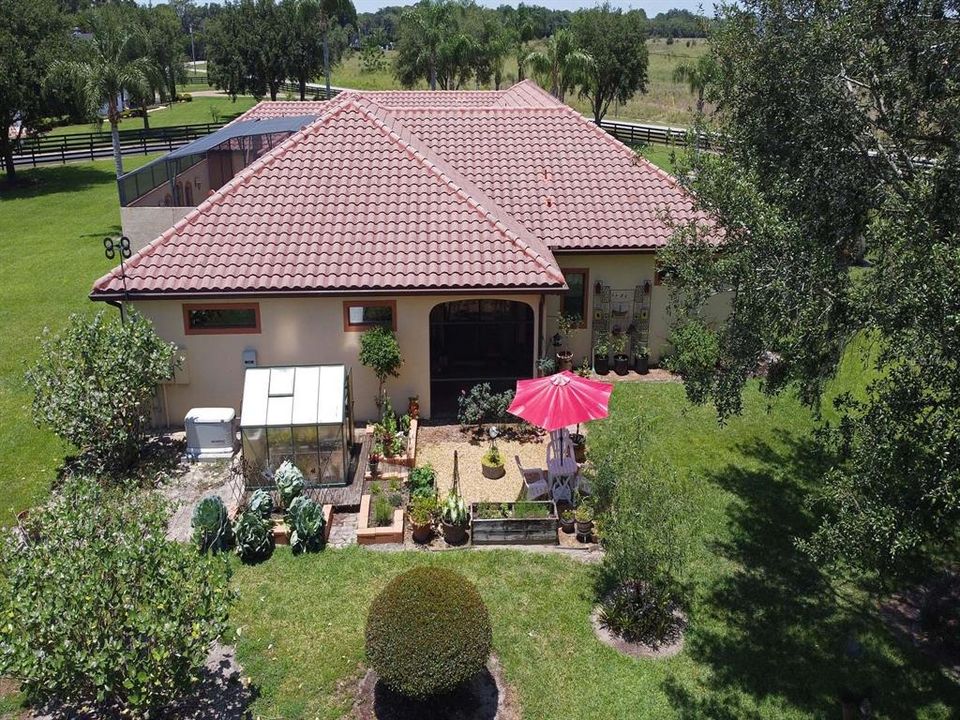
477, 341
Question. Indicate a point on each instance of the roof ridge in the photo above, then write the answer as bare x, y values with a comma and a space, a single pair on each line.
461, 185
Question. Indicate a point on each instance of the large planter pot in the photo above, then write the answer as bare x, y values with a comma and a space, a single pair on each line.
641, 363
515, 531
584, 528
601, 363
564, 360
579, 447
454, 534
493, 472
621, 364
421, 533
567, 525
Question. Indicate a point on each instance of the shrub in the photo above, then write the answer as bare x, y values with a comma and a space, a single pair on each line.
289, 482
481, 405
211, 526
307, 526
422, 509
641, 612
252, 536
261, 502
95, 383
428, 632
380, 351
422, 481
101, 609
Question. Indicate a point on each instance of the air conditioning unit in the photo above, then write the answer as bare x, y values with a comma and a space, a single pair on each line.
211, 434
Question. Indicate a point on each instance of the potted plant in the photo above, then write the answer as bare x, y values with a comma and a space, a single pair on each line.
641, 361
565, 325
413, 406
546, 366
567, 520
620, 358
373, 460
601, 353
454, 519
492, 463
420, 512
583, 519
579, 443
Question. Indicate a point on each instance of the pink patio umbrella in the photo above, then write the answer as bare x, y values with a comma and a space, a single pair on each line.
559, 400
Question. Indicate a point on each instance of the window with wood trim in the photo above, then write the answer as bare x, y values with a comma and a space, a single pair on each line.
359, 315
574, 301
221, 318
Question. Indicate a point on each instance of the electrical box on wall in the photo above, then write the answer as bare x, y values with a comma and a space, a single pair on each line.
249, 358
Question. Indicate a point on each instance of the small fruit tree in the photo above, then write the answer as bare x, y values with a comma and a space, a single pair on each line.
380, 351
95, 383
428, 632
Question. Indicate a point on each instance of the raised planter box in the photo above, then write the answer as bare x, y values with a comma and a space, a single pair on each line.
395, 466
515, 531
366, 535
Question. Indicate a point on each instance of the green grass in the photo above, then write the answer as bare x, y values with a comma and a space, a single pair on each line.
198, 110
665, 101
51, 232
767, 636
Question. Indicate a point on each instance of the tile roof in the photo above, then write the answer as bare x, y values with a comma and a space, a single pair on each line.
415, 191
352, 203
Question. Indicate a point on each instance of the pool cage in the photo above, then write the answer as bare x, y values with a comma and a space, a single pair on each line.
302, 414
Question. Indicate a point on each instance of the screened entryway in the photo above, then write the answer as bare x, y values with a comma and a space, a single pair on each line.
477, 341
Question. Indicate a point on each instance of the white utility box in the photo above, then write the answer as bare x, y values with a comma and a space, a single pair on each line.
211, 433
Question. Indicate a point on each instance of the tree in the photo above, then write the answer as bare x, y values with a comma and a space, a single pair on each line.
425, 32
698, 76
372, 57
562, 65
305, 47
101, 610
616, 43
32, 35
334, 13
248, 48
164, 41
112, 65
519, 32
95, 383
380, 351
836, 197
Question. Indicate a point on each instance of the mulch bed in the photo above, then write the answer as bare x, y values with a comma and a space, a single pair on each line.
635, 649
486, 697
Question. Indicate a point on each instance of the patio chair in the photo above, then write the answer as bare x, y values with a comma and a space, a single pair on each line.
534, 480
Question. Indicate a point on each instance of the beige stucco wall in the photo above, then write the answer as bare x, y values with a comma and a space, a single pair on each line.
300, 331
621, 271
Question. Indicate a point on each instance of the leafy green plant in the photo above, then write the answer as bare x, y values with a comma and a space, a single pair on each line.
380, 351
307, 526
253, 537
100, 610
601, 346
422, 509
641, 612
427, 632
422, 481
289, 482
211, 526
566, 324
567, 515
583, 513
492, 457
480, 405
95, 383
583, 369
261, 502
298, 503
382, 511
547, 365
454, 510
529, 510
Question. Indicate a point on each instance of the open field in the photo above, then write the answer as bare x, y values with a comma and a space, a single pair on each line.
768, 632
665, 101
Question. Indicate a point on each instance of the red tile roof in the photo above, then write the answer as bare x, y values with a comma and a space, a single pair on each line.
415, 191
352, 203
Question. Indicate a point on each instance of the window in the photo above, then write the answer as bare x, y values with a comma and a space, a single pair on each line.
574, 301
362, 315
221, 318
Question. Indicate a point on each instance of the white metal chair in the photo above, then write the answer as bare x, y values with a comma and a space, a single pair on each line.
534, 481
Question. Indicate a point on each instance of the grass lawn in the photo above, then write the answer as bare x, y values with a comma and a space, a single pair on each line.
50, 238
768, 634
198, 110
665, 101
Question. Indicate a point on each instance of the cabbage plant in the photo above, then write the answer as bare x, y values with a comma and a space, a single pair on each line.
261, 503
211, 527
307, 525
253, 536
289, 482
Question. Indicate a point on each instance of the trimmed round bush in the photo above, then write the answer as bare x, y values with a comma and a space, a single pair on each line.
428, 632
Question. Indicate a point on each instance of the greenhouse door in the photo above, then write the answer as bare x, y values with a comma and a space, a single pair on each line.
478, 341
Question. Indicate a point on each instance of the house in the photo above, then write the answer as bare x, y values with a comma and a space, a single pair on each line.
466, 221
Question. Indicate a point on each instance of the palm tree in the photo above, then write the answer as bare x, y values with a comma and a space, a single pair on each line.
112, 67
697, 76
331, 11
431, 22
562, 65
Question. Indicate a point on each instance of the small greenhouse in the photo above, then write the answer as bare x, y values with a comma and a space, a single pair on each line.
302, 414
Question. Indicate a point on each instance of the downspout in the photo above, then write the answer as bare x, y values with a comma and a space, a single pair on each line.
539, 346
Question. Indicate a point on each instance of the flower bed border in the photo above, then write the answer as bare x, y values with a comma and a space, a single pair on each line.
367, 535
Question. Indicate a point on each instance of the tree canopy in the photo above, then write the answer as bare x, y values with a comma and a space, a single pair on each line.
836, 197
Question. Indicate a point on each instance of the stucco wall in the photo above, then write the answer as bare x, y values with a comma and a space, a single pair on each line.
300, 331
621, 271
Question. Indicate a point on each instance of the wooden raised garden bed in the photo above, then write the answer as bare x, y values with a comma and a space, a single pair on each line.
530, 522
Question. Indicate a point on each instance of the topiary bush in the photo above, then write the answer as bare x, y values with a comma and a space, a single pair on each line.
428, 632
